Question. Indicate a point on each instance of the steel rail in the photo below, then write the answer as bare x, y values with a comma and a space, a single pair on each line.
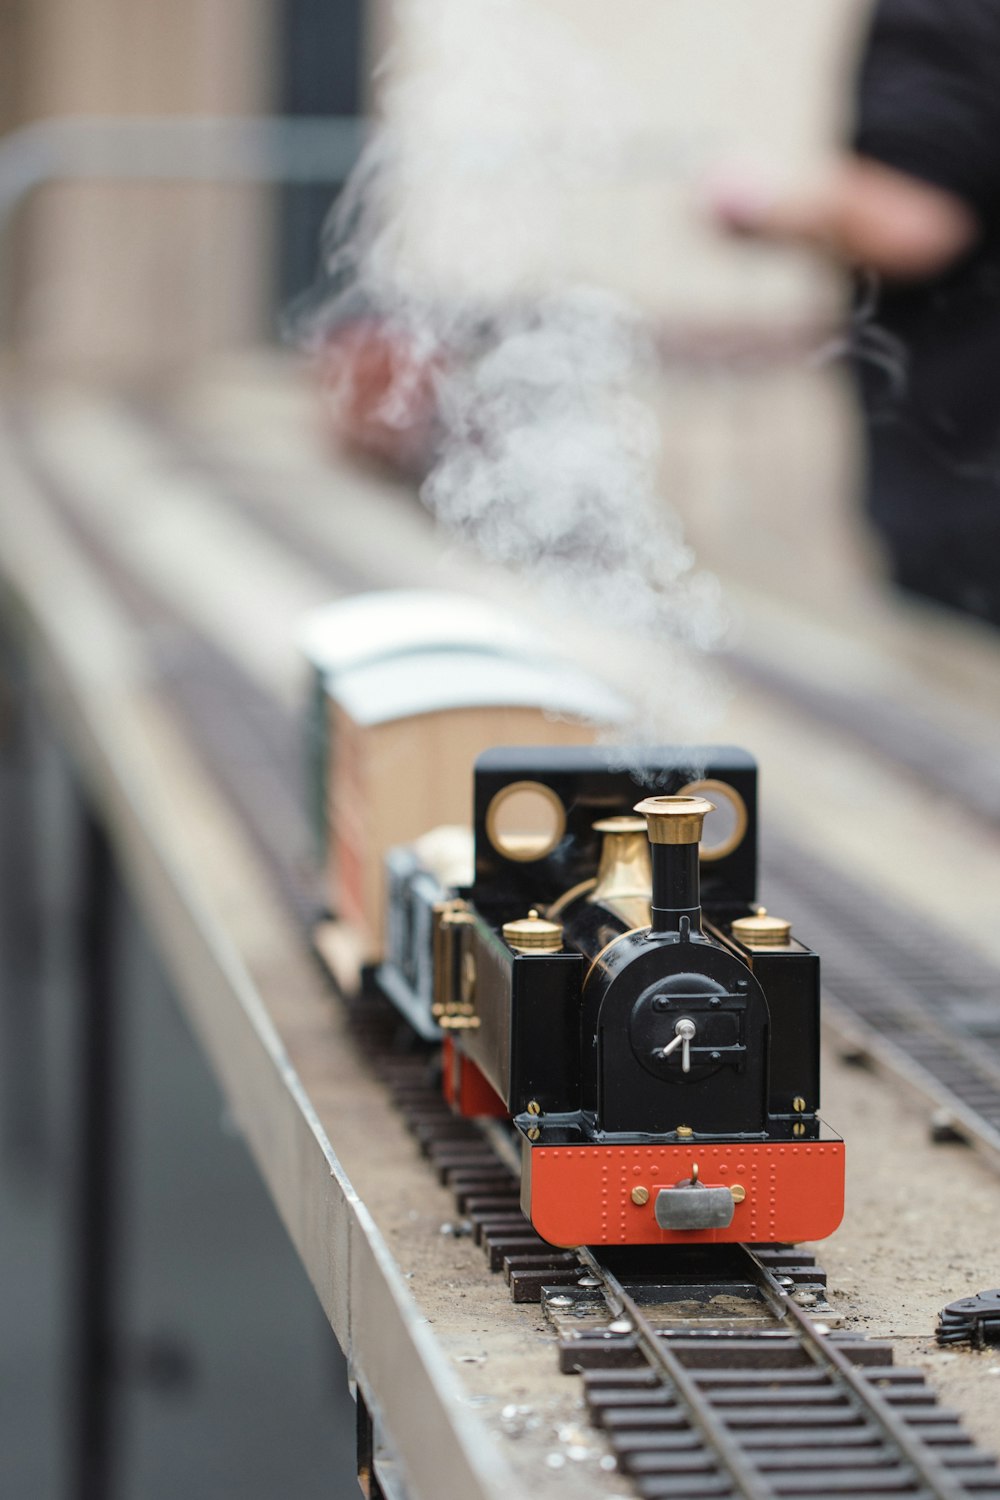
857, 1036
896, 730
928, 1470
745, 1476
929, 1474
890, 996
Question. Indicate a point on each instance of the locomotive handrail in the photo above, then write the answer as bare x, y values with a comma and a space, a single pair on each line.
171, 148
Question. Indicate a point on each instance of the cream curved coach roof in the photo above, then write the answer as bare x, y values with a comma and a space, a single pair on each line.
398, 653
400, 687
392, 622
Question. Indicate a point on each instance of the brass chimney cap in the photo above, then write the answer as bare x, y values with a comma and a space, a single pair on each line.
533, 934
762, 931
675, 820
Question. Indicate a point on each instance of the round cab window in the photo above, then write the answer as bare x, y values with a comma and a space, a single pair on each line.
525, 821
726, 826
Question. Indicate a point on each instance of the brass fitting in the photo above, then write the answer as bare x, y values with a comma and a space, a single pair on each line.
762, 930
675, 820
454, 968
625, 871
533, 934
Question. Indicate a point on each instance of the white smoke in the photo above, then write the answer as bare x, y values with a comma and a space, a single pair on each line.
550, 467
548, 459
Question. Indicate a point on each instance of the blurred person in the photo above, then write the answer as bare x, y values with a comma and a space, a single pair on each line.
916, 201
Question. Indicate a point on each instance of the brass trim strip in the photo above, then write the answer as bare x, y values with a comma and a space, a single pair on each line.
607, 948
559, 906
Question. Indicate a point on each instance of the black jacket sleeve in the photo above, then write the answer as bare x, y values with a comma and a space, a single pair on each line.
929, 95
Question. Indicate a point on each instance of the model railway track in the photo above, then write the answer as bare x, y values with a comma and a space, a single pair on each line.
747, 1396
712, 1374
915, 1002
905, 995
944, 759
715, 1385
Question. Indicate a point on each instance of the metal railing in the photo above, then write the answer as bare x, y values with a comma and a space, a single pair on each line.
283, 150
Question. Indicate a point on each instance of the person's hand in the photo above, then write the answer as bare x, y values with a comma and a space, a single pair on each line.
860, 212
742, 202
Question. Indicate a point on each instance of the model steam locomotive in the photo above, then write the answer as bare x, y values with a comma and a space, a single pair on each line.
597, 968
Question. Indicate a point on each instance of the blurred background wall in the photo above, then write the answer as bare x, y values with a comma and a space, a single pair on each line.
133, 278
614, 111
133, 274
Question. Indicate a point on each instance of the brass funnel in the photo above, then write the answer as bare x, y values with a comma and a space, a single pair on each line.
675, 829
625, 868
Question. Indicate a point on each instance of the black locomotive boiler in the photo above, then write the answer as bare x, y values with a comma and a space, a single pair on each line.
606, 980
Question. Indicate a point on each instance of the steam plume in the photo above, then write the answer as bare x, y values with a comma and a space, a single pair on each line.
548, 458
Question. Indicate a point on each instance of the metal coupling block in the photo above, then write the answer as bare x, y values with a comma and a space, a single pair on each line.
694, 1206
